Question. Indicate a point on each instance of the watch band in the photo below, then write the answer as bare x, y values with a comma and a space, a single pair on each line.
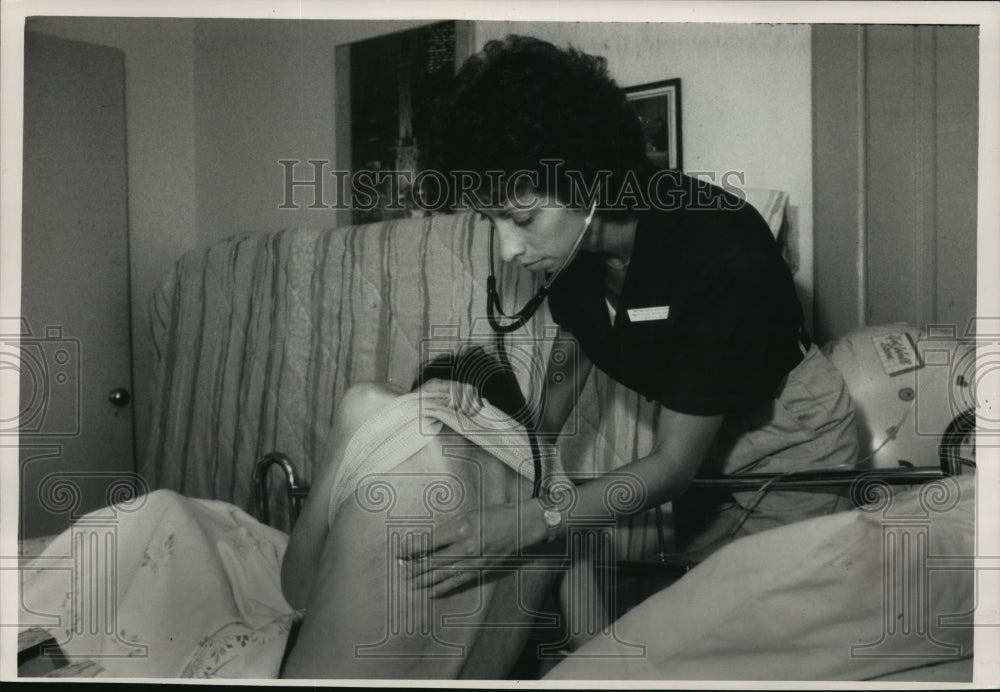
553, 520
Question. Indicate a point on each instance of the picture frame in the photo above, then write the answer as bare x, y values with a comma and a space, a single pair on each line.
390, 111
658, 106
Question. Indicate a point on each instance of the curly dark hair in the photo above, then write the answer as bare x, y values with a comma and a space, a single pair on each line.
494, 381
523, 100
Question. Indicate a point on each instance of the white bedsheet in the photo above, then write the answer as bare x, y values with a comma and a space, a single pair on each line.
790, 603
196, 592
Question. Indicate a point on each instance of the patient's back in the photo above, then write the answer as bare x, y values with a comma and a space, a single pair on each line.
364, 620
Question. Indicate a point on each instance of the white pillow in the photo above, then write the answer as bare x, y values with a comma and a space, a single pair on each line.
770, 204
806, 601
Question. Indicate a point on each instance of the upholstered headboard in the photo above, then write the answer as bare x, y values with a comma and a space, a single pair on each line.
258, 336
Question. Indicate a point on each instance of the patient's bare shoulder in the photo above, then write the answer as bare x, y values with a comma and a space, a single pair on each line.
364, 399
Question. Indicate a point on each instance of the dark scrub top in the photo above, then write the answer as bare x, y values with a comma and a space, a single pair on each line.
734, 322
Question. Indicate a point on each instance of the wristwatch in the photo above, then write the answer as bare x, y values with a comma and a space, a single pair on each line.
552, 520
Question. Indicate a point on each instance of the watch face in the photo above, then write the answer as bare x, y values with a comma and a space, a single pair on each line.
552, 518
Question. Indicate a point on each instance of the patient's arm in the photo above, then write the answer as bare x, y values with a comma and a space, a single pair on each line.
301, 561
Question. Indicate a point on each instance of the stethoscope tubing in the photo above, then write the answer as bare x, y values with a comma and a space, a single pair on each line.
517, 321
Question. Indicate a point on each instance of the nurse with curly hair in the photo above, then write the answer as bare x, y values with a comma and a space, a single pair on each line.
671, 286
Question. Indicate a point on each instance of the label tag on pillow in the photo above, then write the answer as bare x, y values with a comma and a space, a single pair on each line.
648, 314
896, 353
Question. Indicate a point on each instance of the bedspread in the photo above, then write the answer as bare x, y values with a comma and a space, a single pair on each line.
164, 587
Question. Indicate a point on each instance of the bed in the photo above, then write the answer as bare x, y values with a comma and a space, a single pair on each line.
256, 338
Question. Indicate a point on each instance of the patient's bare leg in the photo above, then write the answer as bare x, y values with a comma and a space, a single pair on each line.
363, 620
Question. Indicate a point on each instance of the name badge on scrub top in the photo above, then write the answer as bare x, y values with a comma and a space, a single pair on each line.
659, 312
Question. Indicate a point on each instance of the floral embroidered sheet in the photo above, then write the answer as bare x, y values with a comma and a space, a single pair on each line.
196, 592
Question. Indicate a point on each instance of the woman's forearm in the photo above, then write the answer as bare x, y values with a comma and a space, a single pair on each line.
659, 477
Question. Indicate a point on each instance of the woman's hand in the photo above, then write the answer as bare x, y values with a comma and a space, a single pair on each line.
473, 542
460, 396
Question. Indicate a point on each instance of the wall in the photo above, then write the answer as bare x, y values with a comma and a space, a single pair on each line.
745, 95
160, 116
265, 91
896, 175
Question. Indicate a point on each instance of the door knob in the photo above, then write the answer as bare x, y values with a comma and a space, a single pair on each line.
119, 397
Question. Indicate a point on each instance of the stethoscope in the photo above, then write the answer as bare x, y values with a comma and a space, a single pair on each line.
519, 319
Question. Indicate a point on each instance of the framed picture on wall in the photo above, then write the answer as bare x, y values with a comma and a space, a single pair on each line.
396, 82
658, 105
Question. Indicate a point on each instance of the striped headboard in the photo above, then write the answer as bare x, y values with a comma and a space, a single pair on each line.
258, 336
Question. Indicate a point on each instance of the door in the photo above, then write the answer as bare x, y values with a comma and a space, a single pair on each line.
76, 435
895, 124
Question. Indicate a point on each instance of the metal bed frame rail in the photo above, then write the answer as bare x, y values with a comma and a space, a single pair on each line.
949, 456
